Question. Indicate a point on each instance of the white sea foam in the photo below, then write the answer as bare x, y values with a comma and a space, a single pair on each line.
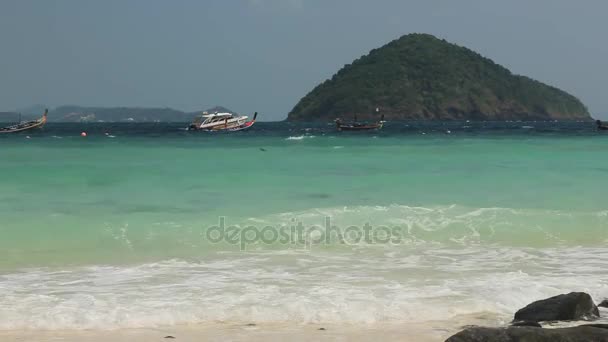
300, 137
358, 287
458, 261
462, 225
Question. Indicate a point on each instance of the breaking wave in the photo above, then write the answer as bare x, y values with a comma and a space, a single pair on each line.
459, 261
357, 288
300, 137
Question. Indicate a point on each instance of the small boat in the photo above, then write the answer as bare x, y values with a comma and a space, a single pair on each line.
359, 126
26, 126
601, 126
221, 122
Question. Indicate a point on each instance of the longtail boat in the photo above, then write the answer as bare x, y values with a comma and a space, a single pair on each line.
359, 126
27, 125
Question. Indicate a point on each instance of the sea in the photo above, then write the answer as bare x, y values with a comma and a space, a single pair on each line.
147, 225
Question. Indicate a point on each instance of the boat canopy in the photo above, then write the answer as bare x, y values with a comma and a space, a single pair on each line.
217, 115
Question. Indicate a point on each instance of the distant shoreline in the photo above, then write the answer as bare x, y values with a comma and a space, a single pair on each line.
7, 118
87, 114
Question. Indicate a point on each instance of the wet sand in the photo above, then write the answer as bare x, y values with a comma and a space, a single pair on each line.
245, 332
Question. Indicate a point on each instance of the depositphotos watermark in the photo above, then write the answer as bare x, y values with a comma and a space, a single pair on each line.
299, 235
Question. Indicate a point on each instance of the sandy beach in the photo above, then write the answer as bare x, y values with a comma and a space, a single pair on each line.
244, 332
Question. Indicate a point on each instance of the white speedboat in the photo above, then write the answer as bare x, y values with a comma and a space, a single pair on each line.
221, 122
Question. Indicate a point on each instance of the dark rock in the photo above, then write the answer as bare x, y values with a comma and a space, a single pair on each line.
169, 336
251, 324
526, 324
601, 326
322, 329
565, 307
604, 304
530, 334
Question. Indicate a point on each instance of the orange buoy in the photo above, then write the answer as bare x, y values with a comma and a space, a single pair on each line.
83, 134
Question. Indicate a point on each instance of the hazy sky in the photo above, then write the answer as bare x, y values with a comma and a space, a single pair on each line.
264, 55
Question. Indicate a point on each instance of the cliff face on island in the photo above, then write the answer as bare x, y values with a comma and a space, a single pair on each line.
421, 77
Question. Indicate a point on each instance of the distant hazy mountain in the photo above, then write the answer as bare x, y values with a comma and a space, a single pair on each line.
25, 113
9, 117
33, 110
124, 114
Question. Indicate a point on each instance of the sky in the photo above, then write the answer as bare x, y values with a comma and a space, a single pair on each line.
264, 55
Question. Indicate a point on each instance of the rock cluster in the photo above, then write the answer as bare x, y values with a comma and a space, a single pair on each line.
575, 306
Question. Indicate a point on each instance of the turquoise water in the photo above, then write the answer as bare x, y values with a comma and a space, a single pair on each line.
114, 231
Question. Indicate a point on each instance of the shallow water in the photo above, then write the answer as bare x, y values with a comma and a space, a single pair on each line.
142, 226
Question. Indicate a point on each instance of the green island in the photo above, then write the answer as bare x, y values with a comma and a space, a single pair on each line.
421, 77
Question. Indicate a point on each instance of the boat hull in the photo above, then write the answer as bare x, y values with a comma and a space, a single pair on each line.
224, 128
242, 127
27, 126
372, 127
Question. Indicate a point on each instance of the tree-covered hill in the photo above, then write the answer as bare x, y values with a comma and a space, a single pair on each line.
419, 76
